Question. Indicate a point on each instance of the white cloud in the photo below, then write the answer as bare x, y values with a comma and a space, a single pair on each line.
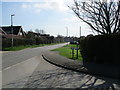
26, 6
37, 10
41, 6
38, 5
57, 5
73, 19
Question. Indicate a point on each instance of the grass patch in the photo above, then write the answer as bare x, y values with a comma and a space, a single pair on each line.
16, 48
67, 52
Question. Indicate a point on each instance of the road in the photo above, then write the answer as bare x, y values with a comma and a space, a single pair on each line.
28, 69
11, 58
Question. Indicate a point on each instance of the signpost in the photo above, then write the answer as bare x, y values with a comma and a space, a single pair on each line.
75, 48
72, 52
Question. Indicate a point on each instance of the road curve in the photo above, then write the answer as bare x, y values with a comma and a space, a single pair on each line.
32, 71
12, 58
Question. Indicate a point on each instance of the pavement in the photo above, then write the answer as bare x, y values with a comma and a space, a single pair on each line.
82, 66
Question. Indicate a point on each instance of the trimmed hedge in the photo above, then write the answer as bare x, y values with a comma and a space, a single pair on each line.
17, 42
101, 49
27, 41
6, 43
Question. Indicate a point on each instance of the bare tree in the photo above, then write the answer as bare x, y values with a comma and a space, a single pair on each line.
42, 31
103, 17
37, 30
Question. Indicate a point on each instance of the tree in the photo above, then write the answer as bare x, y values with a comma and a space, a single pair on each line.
37, 30
42, 31
103, 17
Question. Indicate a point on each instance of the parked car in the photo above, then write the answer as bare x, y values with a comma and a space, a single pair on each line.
74, 42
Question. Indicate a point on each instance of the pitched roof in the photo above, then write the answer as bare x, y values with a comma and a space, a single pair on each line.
1, 31
7, 29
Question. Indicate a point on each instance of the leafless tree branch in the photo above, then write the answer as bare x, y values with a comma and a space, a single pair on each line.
102, 17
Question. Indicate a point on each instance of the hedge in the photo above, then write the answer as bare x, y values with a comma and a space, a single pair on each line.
101, 48
27, 41
17, 42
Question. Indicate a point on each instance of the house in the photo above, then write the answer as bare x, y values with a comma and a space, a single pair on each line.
1, 31
33, 34
6, 32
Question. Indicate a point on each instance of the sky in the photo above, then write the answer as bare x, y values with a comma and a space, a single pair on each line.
53, 16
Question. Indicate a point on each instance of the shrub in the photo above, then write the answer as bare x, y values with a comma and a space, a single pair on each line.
17, 42
6, 43
101, 48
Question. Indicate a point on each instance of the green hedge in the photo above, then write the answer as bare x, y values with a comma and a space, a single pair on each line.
101, 48
17, 42
27, 41
6, 43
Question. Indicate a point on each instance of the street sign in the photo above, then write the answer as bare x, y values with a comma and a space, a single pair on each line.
75, 48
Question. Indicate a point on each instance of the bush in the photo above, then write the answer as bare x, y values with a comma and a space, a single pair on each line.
26, 41
101, 48
40, 40
17, 42
6, 43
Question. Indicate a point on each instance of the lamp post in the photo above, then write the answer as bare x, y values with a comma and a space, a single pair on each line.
12, 27
67, 34
67, 31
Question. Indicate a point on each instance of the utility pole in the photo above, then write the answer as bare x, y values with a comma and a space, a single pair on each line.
12, 28
105, 1
67, 31
80, 31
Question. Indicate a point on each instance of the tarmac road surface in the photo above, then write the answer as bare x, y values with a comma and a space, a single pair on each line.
18, 64
32, 71
14, 57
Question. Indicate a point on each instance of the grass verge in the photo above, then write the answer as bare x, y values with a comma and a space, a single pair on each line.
67, 52
16, 48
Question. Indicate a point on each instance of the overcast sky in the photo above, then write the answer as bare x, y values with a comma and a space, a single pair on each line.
53, 16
